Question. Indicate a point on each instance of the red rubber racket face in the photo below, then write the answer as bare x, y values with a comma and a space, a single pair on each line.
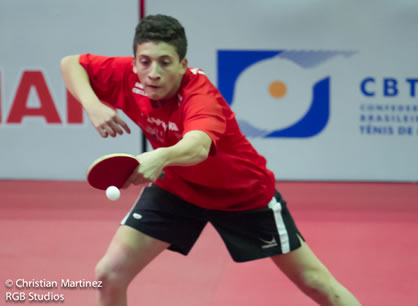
111, 170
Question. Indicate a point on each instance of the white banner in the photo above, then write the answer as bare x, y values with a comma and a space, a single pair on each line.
325, 90
43, 132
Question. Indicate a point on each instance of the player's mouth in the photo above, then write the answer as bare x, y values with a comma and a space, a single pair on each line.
154, 92
153, 87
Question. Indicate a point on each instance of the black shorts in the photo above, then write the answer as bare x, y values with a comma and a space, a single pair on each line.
248, 235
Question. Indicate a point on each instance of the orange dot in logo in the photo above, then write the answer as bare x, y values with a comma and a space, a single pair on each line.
277, 89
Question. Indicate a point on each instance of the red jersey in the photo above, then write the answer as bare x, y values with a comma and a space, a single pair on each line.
233, 177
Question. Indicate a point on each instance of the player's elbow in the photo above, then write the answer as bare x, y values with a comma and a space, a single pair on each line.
67, 61
201, 145
202, 154
64, 63
195, 156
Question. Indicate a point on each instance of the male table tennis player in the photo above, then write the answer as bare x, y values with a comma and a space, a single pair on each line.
212, 173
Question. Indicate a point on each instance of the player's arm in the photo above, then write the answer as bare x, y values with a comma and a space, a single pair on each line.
192, 149
104, 119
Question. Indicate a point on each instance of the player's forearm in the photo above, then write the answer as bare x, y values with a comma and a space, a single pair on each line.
191, 150
77, 81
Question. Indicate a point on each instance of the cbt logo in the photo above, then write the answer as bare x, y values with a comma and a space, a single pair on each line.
277, 93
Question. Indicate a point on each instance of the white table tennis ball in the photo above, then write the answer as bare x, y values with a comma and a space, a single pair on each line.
112, 193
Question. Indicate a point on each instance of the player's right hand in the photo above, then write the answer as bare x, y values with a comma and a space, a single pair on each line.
106, 120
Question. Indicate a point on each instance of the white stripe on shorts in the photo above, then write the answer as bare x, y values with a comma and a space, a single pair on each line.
127, 215
281, 227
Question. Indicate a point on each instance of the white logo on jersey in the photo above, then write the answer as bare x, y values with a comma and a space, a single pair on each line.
139, 90
197, 71
171, 125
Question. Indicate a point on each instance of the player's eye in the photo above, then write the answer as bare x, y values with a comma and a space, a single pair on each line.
144, 61
165, 63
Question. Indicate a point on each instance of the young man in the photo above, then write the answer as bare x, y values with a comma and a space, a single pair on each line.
212, 173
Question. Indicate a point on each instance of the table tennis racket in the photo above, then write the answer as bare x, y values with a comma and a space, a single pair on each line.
111, 170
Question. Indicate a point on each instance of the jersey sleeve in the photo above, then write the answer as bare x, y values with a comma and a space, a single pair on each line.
105, 74
205, 114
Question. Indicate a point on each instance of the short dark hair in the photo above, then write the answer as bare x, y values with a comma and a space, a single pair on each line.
161, 28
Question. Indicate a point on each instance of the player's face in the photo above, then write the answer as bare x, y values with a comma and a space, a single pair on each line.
158, 67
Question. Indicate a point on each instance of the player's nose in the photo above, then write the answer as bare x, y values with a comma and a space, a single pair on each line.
154, 72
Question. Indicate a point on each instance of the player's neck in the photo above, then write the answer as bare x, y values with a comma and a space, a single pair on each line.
164, 102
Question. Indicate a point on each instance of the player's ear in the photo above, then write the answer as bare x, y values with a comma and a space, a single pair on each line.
184, 63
